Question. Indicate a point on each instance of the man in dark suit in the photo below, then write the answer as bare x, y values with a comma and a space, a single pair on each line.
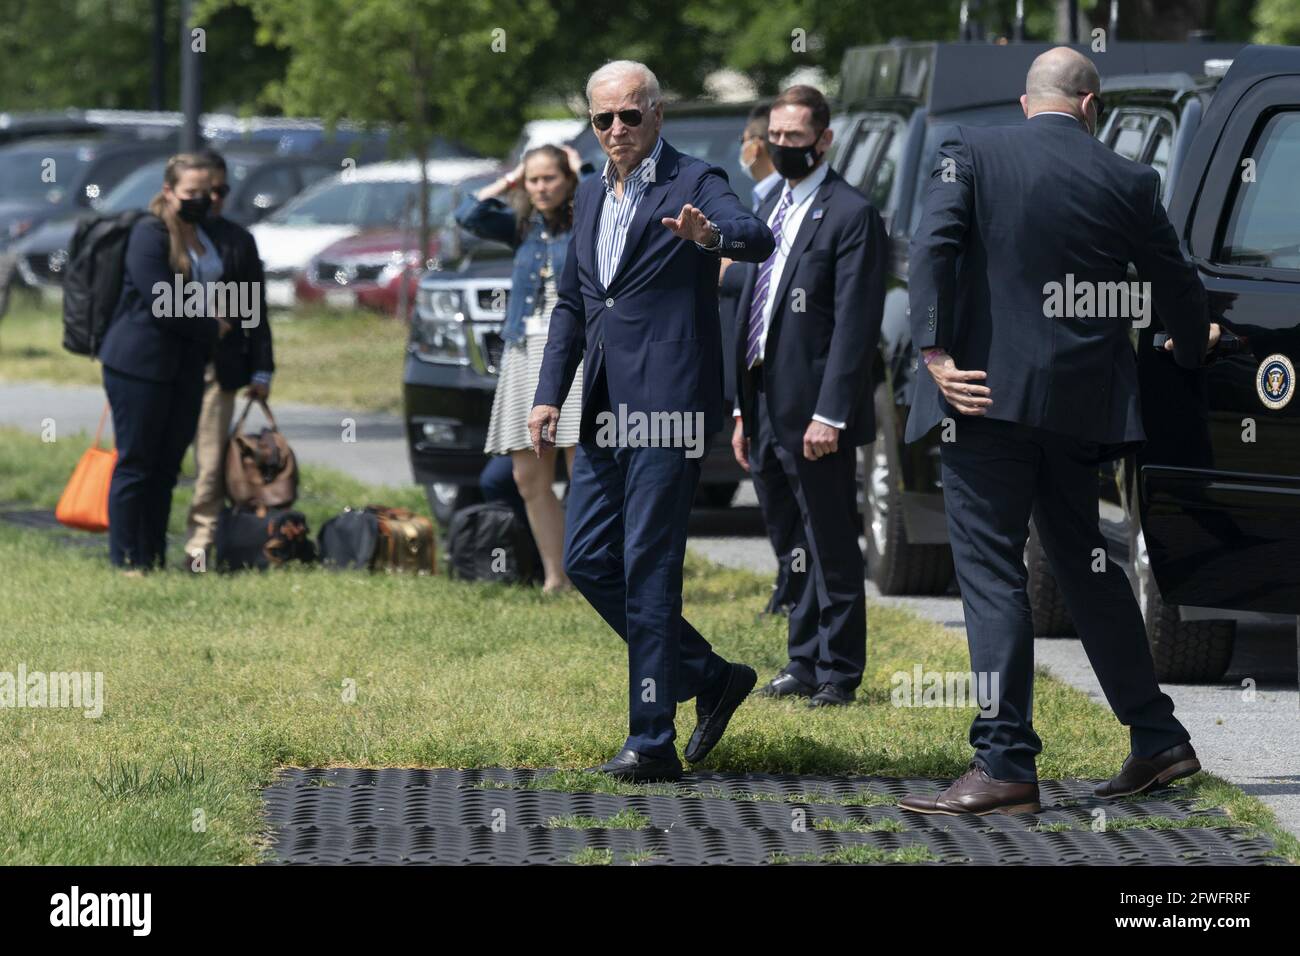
812, 319
775, 497
242, 358
1033, 398
638, 295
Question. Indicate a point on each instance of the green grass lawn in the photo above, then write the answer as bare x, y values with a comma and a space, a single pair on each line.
211, 683
349, 360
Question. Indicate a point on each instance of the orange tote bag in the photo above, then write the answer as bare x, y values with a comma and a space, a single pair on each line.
84, 503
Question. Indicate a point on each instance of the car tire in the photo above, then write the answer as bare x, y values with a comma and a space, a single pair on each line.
1184, 652
717, 496
896, 564
1046, 602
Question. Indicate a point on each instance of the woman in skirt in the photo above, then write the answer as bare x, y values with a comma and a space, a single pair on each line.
536, 222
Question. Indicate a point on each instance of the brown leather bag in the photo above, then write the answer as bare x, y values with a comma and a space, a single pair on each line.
260, 469
406, 541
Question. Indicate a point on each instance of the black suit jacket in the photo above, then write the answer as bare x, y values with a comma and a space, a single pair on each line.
818, 361
1027, 206
244, 350
139, 343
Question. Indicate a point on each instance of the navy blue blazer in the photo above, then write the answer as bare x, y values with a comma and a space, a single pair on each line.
1028, 206
818, 355
654, 331
138, 343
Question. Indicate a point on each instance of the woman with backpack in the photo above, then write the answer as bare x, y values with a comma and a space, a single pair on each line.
154, 356
536, 223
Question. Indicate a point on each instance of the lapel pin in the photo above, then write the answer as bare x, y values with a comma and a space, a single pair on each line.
817, 213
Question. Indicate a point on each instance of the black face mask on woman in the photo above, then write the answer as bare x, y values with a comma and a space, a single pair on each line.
793, 162
193, 210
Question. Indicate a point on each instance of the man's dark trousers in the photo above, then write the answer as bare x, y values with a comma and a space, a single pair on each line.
995, 475
624, 544
781, 517
828, 626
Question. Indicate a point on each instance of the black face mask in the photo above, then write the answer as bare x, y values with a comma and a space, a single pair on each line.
193, 210
793, 162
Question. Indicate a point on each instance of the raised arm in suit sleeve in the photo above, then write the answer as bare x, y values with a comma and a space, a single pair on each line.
148, 266
1179, 297
861, 259
937, 243
566, 338
488, 219
745, 237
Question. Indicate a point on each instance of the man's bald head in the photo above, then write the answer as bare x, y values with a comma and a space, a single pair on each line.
1057, 80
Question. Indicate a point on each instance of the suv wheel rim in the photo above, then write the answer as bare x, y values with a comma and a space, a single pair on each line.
878, 489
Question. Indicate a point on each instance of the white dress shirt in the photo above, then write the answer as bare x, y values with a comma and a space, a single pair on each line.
801, 197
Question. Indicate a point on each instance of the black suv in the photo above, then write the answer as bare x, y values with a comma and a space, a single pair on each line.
1209, 515
455, 345
896, 101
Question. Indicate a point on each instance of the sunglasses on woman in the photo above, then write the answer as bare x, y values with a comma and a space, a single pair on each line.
603, 121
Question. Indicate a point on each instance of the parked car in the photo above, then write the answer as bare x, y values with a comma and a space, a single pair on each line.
897, 100
259, 184
455, 345
378, 269
379, 195
52, 177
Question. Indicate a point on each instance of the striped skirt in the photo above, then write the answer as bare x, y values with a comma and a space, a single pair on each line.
520, 367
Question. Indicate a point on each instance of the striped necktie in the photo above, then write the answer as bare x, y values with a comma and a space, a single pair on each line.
754, 338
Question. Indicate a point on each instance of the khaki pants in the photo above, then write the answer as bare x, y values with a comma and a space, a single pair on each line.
209, 461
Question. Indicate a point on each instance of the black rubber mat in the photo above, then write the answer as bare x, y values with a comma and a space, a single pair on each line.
509, 817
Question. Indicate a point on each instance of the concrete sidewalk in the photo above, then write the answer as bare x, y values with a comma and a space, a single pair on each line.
377, 455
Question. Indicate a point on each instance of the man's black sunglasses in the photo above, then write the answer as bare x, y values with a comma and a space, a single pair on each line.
603, 121
222, 191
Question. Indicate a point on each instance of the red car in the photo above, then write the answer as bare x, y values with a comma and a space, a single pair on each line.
367, 271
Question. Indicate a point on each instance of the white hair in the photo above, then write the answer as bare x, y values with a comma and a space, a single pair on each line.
646, 82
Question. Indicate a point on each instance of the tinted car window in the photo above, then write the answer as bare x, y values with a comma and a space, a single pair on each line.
364, 204
42, 173
266, 189
135, 191
1264, 224
1128, 133
1162, 141
1005, 114
102, 176
859, 153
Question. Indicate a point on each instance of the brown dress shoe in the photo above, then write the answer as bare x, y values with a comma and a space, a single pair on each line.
1139, 775
976, 792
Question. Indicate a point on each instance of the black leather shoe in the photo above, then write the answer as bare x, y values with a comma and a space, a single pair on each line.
634, 767
711, 724
786, 685
828, 695
1139, 775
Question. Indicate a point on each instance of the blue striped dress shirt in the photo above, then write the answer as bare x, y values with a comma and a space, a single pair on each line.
616, 214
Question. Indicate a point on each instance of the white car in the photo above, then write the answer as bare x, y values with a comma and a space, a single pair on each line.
374, 196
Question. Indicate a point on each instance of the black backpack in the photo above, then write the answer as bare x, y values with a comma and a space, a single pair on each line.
247, 539
489, 542
92, 283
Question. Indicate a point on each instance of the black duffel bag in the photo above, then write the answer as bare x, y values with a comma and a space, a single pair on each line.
489, 542
349, 539
262, 538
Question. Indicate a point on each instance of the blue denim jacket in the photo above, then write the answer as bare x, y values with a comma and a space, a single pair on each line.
493, 219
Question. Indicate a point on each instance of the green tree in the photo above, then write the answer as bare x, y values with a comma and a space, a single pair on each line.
420, 67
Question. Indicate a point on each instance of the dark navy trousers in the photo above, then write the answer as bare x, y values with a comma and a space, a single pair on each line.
153, 424
781, 515
997, 474
625, 541
827, 638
